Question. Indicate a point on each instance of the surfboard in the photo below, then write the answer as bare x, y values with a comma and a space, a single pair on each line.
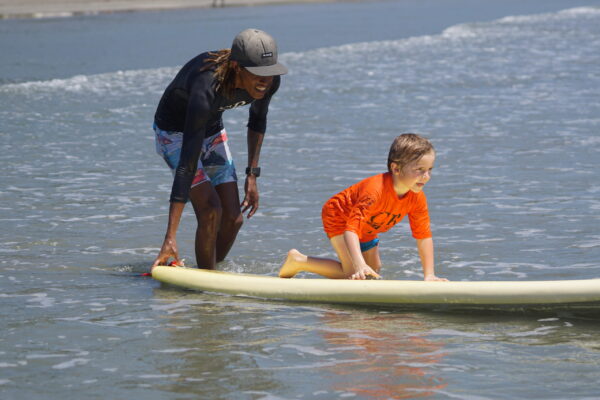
387, 292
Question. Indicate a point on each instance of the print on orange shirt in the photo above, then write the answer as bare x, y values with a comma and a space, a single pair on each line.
384, 219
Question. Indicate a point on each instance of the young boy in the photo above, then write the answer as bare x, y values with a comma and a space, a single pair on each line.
354, 217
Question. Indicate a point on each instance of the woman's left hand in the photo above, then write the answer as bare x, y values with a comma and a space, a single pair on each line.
251, 196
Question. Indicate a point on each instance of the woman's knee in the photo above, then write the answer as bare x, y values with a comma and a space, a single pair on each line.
232, 220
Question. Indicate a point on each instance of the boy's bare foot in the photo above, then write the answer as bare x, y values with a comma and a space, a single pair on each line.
289, 267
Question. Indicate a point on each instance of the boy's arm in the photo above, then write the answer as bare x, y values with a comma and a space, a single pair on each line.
361, 268
425, 247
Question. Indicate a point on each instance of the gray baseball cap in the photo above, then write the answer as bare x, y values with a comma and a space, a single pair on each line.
256, 51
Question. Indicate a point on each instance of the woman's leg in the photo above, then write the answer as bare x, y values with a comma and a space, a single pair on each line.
207, 206
216, 203
231, 218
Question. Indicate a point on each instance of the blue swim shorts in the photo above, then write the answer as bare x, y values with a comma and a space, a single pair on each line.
215, 163
366, 246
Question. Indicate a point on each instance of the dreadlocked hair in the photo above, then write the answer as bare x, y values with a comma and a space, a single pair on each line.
224, 72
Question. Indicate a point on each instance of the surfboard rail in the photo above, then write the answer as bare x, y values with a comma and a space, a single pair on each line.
390, 292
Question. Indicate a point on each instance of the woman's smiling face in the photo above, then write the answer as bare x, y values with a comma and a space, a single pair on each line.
256, 86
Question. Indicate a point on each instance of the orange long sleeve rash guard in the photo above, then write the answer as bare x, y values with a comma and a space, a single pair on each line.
371, 206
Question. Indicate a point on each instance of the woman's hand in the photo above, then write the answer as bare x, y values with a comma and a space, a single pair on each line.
251, 196
168, 251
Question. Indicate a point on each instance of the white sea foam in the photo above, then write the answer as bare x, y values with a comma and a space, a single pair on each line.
153, 80
307, 349
132, 82
177, 350
43, 356
571, 13
71, 363
158, 376
13, 365
40, 300
177, 306
541, 331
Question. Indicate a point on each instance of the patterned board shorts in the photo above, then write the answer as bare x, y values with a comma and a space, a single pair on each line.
215, 163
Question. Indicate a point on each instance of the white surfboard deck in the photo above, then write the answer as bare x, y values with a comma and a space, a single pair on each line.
389, 292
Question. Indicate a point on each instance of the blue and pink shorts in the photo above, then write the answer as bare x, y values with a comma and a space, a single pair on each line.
215, 164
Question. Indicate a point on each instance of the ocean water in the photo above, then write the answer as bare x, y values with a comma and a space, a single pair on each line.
512, 107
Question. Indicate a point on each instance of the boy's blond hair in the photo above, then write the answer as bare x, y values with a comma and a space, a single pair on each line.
407, 148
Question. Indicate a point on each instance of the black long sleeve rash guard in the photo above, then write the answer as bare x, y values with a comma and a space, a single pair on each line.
191, 105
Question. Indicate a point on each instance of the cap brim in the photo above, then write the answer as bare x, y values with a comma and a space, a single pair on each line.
269, 70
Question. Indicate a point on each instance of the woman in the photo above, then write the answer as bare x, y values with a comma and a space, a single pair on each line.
192, 140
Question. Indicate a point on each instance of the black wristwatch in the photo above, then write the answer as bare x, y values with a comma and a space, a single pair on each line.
253, 171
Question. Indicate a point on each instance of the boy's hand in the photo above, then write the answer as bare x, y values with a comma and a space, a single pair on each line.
364, 272
433, 278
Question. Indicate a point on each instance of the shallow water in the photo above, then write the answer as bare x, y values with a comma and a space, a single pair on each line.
511, 105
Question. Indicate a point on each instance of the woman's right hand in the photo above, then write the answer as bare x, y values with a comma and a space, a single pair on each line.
168, 251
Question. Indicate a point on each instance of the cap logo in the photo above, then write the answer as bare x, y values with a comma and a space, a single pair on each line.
269, 54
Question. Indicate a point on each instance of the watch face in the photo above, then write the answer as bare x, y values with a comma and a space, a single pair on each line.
253, 171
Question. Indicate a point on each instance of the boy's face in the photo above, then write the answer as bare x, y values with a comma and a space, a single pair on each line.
414, 175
